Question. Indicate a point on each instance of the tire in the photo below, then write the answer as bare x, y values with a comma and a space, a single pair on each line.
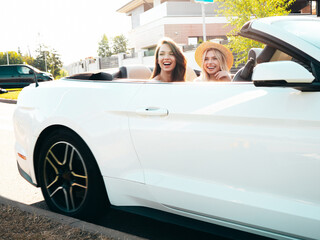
70, 180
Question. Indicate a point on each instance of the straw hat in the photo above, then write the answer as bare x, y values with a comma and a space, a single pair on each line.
206, 45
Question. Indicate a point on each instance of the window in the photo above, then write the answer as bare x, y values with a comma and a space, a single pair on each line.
23, 70
6, 70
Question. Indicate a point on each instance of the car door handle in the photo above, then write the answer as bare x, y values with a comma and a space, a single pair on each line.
152, 111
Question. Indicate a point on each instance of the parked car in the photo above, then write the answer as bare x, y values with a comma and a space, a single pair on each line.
242, 154
21, 75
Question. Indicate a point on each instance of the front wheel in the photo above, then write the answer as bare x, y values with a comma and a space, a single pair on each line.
69, 177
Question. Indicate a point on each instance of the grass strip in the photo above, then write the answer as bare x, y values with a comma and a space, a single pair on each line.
12, 94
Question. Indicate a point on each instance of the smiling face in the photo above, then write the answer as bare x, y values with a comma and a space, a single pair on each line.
166, 58
211, 63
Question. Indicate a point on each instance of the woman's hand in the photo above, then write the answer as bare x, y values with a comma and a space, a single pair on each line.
222, 76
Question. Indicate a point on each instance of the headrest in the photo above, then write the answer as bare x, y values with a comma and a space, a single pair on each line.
254, 53
190, 74
266, 54
135, 72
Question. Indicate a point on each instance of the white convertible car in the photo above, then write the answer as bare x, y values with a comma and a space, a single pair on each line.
242, 154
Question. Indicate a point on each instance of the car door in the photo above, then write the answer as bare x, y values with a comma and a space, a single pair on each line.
6, 76
231, 151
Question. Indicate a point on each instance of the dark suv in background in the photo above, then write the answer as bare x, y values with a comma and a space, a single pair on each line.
21, 75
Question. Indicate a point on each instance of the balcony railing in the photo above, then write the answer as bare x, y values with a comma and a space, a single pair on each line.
176, 9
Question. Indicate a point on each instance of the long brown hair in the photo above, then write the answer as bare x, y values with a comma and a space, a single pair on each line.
179, 72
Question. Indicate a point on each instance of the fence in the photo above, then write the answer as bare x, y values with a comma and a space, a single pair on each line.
94, 64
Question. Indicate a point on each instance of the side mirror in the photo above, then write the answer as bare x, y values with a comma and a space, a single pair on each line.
284, 74
34, 76
289, 71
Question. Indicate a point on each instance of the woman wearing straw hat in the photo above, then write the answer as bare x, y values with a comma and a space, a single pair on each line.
170, 63
215, 61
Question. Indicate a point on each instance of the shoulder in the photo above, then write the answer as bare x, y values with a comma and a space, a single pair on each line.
156, 77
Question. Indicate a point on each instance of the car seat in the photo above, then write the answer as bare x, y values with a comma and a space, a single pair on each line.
245, 73
190, 74
134, 72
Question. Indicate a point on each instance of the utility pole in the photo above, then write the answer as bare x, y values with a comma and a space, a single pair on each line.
203, 2
29, 51
45, 60
8, 58
44, 53
203, 23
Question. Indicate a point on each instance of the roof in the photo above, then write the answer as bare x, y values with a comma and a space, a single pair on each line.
132, 5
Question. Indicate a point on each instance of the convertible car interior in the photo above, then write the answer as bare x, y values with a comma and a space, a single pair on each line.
256, 56
138, 71
130, 71
262, 55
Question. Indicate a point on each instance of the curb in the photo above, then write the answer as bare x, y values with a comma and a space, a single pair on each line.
72, 222
11, 101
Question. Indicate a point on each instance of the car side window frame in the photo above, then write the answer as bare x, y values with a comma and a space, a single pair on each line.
6, 70
22, 72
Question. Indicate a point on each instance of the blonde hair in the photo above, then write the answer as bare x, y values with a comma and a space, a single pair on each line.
221, 59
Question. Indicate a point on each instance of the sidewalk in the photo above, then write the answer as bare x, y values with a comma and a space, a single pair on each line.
11, 101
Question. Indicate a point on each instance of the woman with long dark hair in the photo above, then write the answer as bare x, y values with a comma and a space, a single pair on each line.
170, 63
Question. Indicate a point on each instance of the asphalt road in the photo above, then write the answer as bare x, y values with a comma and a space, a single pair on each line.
14, 187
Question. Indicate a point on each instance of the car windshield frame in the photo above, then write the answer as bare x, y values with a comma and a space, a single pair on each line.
302, 29
34, 69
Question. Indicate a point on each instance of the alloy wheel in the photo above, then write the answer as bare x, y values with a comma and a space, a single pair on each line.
65, 177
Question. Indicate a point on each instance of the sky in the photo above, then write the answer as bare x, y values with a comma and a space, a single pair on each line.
72, 27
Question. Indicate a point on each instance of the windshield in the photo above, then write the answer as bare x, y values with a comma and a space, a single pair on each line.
306, 30
34, 69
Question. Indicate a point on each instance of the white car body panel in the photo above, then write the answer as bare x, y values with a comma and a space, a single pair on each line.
103, 126
263, 160
220, 138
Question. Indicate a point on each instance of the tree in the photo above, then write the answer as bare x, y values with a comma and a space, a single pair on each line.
120, 44
54, 63
48, 60
3, 58
28, 60
63, 73
104, 48
238, 12
41, 57
14, 58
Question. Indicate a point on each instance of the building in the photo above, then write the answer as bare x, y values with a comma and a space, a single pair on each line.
180, 20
